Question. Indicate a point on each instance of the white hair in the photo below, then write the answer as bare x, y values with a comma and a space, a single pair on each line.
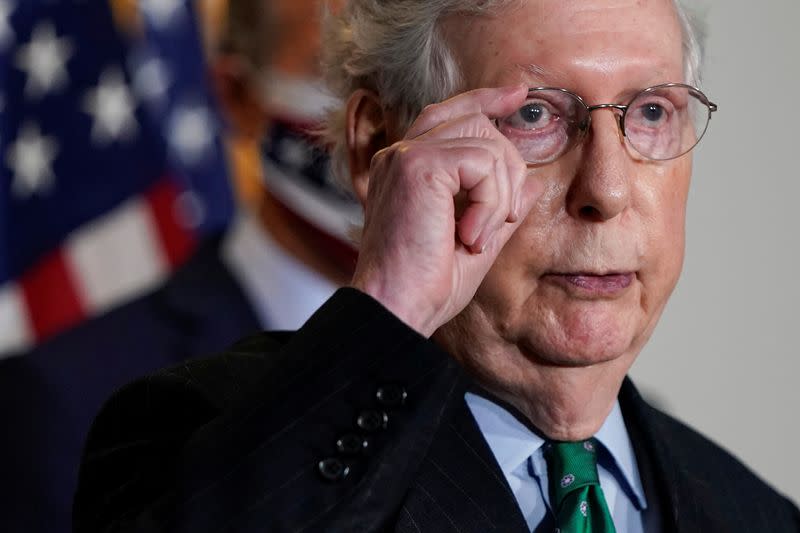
396, 48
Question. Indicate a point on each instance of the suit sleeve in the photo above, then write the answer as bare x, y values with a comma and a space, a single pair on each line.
795, 516
141, 454
131, 449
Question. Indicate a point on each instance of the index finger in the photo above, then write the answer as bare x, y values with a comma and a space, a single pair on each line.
496, 102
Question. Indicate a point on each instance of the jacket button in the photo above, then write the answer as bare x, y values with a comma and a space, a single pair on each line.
372, 421
352, 444
333, 469
391, 395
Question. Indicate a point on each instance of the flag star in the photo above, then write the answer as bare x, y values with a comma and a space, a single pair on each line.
152, 79
44, 60
161, 12
112, 107
6, 32
31, 159
190, 133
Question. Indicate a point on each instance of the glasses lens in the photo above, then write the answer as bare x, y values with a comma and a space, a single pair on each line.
548, 124
666, 122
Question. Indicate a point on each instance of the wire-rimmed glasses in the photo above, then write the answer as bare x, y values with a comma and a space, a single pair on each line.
661, 122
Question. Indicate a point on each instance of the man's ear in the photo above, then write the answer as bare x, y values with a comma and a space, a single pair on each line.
239, 102
366, 134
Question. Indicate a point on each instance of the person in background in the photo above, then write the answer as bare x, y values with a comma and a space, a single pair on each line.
283, 255
274, 105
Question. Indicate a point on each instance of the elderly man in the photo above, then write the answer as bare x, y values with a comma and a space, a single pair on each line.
521, 239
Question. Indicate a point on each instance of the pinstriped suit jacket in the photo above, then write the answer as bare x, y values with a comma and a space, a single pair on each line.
234, 443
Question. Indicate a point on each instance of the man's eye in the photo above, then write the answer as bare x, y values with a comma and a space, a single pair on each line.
532, 113
652, 112
532, 116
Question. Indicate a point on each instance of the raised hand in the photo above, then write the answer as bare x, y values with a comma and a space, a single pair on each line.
417, 258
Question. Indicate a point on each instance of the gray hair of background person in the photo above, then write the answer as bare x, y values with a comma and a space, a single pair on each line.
249, 32
397, 49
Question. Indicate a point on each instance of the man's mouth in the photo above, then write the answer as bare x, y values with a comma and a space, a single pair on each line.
588, 283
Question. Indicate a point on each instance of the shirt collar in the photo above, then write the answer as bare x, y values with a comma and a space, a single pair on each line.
613, 435
283, 291
512, 442
509, 439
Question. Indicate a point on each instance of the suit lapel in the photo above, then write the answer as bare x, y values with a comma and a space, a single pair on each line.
459, 486
684, 502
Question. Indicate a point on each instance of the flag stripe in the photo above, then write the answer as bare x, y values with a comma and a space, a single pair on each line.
17, 333
116, 257
170, 222
51, 299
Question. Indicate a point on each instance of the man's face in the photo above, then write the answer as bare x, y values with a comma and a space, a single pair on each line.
586, 276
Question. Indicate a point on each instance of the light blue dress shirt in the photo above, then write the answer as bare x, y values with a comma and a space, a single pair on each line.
520, 454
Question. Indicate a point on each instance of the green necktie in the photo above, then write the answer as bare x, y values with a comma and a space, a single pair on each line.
575, 493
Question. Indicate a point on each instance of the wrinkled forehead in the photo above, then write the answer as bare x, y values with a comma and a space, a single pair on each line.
564, 39
583, 13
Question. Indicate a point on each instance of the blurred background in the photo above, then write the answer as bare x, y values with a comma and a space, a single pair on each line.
162, 192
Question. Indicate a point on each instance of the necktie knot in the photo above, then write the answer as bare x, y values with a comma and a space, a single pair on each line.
576, 496
573, 465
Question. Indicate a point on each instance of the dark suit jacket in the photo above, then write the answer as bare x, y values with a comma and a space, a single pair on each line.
247, 441
49, 397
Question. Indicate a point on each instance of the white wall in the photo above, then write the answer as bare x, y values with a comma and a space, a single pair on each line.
725, 357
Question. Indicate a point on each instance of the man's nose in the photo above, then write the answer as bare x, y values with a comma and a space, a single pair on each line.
601, 187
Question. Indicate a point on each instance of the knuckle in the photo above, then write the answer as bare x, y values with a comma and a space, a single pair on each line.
487, 123
403, 153
474, 116
516, 165
497, 147
429, 113
408, 155
491, 155
479, 120
381, 157
493, 159
486, 126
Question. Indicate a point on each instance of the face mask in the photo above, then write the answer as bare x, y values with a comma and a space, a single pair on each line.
296, 166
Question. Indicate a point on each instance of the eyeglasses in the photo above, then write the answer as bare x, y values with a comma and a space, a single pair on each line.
661, 122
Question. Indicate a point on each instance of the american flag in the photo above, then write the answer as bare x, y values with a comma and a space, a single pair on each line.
111, 165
